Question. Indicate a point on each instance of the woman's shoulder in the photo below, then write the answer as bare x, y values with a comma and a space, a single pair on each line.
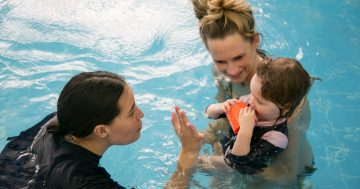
72, 156
70, 166
72, 172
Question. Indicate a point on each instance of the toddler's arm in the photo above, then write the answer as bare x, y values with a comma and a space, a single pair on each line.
215, 110
243, 139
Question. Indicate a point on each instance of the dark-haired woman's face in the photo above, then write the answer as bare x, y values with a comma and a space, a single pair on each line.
235, 57
125, 127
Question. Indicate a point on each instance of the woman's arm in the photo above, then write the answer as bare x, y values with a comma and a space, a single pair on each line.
191, 142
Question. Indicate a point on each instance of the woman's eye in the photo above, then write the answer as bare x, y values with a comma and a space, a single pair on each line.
238, 58
220, 62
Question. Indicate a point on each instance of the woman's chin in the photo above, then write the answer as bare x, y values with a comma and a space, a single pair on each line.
238, 80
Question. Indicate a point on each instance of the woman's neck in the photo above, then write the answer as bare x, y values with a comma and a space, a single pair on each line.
252, 72
90, 143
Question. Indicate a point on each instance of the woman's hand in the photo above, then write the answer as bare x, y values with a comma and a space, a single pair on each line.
191, 140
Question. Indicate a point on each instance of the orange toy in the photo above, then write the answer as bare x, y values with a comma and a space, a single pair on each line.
233, 115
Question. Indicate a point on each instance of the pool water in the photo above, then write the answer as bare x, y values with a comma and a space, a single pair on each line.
157, 48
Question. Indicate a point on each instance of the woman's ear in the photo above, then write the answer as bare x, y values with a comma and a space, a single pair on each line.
256, 41
101, 131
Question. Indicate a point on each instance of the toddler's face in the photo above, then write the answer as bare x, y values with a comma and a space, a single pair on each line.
265, 110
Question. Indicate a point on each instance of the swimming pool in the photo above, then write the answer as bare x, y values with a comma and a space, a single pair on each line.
157, 48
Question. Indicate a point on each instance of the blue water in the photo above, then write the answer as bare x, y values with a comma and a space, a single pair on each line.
156, 46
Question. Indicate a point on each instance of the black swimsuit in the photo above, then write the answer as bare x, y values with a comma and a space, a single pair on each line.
262, 149
37, 159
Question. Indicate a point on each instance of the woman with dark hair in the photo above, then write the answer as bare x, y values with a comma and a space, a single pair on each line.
95, 110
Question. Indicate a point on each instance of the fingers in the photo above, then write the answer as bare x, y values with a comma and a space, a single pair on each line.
191, 128
230, 103
192, 131
241, 112
252, 111
182, 124
247, 110
235, 100
177, 108
180, 119
227, 107
181, 116
175, 122
174, 119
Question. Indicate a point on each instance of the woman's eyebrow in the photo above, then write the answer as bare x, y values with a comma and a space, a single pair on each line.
239, 55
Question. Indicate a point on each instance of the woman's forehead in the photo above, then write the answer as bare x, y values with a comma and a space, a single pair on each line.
126, 100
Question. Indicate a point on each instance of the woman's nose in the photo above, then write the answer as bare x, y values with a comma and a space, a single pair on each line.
140, 114
232, 69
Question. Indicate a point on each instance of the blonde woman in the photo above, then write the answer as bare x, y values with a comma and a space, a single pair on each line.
227, 29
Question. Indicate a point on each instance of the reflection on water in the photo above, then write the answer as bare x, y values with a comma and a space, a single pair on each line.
156, 46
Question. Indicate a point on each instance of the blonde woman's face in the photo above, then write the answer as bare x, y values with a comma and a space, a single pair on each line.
235, 57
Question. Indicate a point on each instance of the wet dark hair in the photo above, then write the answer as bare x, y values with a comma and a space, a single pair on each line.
284, 82
87, 100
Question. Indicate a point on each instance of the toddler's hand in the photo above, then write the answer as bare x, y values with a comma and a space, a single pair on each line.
215, 110
227, 105
247, 119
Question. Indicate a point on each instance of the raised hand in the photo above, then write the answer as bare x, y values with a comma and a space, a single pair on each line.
191, 140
